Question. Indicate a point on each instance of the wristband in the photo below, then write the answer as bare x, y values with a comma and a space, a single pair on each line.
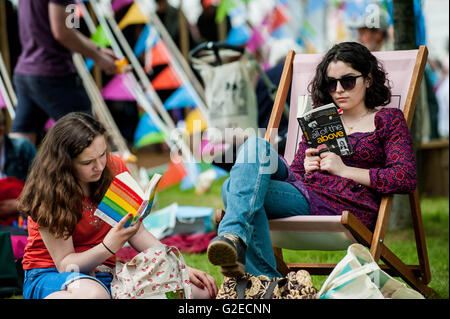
108, 248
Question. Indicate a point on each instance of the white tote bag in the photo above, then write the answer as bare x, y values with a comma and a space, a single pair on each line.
357, 276
231, 98
156, 273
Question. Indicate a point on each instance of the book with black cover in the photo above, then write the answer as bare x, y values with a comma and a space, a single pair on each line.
322, 125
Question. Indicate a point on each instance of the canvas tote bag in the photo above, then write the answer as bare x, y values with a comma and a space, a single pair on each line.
358, 276
230, 96
156, 273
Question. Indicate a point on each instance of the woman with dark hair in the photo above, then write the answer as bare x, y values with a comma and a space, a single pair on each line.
70, 252
262, 186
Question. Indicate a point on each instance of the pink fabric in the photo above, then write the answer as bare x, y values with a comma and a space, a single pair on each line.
18, 244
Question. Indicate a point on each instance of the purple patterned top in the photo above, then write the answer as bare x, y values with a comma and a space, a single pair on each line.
388, 154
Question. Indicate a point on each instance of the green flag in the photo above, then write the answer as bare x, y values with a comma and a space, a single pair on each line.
100, 37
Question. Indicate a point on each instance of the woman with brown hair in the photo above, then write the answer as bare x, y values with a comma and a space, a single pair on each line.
70, 252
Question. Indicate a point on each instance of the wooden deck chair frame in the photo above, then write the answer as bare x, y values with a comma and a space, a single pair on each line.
418, 276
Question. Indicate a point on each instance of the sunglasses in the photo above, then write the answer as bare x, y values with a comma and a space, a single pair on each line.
348, 82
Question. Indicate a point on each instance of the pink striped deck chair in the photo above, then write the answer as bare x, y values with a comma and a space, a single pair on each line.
405, 71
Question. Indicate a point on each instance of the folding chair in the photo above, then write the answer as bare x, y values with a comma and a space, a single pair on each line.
405, 70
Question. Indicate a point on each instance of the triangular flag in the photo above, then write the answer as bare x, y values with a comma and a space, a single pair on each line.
133, 16
279, 17
146, 132
174, 174
239, 35
193, 170
255, 41
100, 38
141, 43
166, 80
160, 54
182, 97
2, 101
195, 121
224, 7
119, 4
116, 89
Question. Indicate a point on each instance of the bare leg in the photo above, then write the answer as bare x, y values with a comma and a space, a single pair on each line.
81, 289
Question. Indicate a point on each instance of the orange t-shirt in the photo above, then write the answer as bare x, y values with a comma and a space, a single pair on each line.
88, 233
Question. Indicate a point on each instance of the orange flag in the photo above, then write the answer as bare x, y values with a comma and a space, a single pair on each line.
166, 80
159, 55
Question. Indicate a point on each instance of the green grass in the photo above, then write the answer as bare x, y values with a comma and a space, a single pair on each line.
435, 214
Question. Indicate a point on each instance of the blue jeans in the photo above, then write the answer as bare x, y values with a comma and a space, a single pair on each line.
254, 193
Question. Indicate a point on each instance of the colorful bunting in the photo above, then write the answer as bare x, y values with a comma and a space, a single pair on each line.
119, 4
116, 89
166, 80
2, 101
159, 55
256, 40
239, 35
182, 97
193, 119
100, 38
146, 132
141, 43
279, 17
224, 7
174, 174
133, 16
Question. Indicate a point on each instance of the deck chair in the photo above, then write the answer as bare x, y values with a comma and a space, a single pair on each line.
405, 70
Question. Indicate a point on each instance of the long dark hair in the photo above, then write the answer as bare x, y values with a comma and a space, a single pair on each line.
360, 59
52, 195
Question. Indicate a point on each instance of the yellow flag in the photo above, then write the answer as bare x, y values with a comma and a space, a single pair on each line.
133, 16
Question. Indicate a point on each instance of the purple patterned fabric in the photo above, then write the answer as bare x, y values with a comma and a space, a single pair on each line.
388, 154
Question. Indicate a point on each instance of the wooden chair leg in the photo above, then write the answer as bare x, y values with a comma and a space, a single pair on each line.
419, 234
281, 265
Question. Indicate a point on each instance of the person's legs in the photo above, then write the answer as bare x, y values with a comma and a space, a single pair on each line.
43, 283
29, 119
42, 97
251, 187
81, 289
282, 200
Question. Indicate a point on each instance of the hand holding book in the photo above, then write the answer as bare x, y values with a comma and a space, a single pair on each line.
322, 127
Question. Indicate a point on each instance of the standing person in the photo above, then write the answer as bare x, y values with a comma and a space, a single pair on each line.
45, 78
262, 186
68, 179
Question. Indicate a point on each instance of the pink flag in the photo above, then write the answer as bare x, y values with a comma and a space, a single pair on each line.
255, 41
119, 4
117, 90
2, 102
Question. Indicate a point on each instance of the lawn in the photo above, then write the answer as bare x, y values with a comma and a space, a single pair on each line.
435, 212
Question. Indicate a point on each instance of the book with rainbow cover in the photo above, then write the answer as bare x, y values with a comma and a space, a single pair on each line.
125, 196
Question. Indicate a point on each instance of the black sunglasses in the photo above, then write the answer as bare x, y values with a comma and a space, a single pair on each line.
348, 82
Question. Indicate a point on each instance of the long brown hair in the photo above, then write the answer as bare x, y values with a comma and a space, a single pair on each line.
52, 195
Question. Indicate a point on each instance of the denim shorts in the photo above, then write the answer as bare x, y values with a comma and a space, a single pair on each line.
42, 97
41, 282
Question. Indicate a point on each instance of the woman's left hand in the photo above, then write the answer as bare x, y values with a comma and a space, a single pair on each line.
332, 163
201, 280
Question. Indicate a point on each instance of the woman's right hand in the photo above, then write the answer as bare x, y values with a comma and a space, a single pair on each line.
312, 160
119, 234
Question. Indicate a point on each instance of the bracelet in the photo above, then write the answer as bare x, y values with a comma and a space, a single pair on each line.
108, 248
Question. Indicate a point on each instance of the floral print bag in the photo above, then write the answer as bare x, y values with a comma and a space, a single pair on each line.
156, 273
